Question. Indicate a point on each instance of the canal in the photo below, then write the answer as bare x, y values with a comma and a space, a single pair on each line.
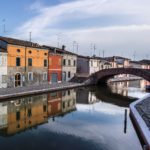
91, 118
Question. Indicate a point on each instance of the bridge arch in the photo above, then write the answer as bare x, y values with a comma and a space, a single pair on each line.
103, 75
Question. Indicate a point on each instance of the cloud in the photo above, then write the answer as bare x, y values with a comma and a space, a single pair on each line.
115, 26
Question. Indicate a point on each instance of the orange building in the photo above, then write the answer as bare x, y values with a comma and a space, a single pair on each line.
27, 62
54, 65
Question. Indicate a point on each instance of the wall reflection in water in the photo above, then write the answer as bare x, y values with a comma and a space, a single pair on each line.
126, 88
24, 113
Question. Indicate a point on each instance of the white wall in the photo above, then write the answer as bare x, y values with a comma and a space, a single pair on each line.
94, 65
70, 68
3, 69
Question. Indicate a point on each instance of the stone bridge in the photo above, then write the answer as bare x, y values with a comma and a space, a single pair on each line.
103, 75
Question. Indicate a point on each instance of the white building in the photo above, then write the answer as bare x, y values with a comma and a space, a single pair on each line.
69, 65
3, 68
89, 65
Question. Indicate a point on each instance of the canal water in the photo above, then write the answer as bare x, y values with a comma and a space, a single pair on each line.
91, 118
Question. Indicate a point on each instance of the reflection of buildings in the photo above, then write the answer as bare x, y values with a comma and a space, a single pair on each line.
54, 103
85, 96
3, 115
68, 100
120, 87
26, 113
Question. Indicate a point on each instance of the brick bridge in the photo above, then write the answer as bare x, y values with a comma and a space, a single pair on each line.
103, 75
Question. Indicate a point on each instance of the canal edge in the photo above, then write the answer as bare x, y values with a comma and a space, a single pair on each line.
140, 123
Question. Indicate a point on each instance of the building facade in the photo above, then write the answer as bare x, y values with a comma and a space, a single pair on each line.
69, 66
3, 67
54, 68
27, 63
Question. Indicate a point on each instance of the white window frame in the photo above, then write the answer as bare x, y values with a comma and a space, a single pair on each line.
45, 76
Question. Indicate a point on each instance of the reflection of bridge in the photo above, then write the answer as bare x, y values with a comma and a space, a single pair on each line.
103, 75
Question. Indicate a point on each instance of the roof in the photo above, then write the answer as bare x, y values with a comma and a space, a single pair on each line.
115, 57
21, 42
2, 49
58, 50
145, 61
136, 62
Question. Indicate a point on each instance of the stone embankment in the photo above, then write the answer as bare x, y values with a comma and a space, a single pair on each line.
140, 112
7, 93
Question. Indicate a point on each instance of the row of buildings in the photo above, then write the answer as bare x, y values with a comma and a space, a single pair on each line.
24, 63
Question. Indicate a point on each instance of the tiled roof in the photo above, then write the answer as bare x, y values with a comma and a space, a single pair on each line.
58, 50
145, 61
20, 42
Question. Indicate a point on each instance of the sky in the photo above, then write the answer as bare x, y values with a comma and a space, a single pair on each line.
87, 27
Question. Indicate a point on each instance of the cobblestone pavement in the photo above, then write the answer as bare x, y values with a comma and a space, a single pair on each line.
9, 91
144, 110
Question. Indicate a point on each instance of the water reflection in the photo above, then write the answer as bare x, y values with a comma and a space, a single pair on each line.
91, 118
136, 88
21, 114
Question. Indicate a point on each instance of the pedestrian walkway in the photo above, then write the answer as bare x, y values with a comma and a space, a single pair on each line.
22, 91
140, 112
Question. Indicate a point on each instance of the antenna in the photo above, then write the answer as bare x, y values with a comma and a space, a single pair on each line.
94, 48
134, 54
103, 53
30, 35
4, 26
99, 53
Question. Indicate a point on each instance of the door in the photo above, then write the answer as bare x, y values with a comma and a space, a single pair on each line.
64, 76
54, 77
17, 80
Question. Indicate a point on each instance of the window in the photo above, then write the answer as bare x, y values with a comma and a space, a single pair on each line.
17, 61
29, 112
29, 61
30, 76
4, 79
74, 62
69, 62
18, 50
18, 115
45, 54
91, 63
45, 62
30, 52
45, 76
68, 92
69, 74
44, 108
64, 62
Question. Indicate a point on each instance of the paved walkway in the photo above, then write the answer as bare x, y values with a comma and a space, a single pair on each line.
143, 108
140, 112
21, 91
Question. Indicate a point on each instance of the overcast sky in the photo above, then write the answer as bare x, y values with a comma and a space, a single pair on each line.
115, 27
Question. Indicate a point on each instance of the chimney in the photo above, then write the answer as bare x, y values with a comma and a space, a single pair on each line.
63, 47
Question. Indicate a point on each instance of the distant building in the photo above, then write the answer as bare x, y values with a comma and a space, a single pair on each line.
145, 63
27, 62
136, 64
118, 62
89, 65
3, 65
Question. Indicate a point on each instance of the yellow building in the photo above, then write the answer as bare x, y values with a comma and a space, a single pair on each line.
27, 62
